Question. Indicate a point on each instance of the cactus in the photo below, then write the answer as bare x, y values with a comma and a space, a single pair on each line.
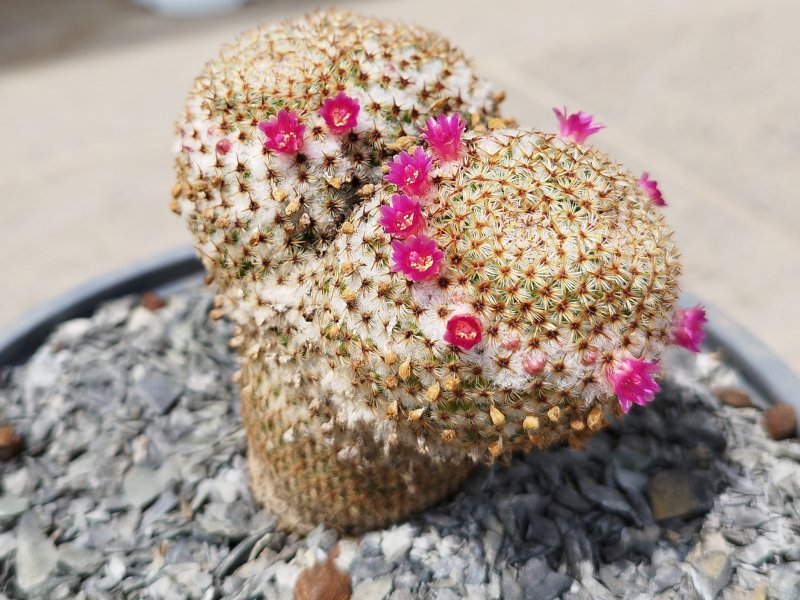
449, 298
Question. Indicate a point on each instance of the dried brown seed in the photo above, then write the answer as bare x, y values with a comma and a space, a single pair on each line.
595, 419
392, 410
531, 423
496, 448
554, 414
448, 435
432, 394
366, 190
496, 123
451, 383
402, 143
405, 370
498, 418
415, 415
292, 207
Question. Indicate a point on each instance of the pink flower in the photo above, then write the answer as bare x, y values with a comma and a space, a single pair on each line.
533, 363
411, 174
403, 218
463, 331
443, 135
577, 126
633, 383
688, 327
223, 146
417, 258
284, 132
340, 113
511, 343
650, 186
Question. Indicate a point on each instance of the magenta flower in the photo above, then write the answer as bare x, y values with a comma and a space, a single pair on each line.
576, 126
463, 331
650, 186
443, 135
284, 132
411, 174
417, 258
403, 218
688, 327
340, 113
633, 383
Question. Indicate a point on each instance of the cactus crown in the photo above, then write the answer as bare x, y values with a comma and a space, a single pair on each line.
283, 131
555, 268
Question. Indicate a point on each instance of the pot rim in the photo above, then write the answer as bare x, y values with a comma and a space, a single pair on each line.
759, 366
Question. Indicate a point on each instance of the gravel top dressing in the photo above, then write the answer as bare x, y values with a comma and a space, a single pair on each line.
132, 483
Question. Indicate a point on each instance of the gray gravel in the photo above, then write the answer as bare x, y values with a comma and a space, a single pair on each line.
133, 484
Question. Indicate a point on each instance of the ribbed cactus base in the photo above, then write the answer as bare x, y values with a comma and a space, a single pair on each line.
307, 473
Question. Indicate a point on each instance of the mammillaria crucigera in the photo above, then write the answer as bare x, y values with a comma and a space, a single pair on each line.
416, 285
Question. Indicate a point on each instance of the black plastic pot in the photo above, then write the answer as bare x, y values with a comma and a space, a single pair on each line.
764, 371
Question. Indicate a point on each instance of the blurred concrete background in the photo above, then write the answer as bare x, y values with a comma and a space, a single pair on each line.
702, 95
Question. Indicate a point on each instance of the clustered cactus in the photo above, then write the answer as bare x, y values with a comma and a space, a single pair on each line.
286, 131
412, 295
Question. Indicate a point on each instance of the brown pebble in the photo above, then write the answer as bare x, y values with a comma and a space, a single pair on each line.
735, 397
323, 581
152, 301
10, 443
780, 421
